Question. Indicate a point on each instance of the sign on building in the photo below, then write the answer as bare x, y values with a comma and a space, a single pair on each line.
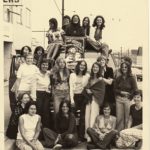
12, 2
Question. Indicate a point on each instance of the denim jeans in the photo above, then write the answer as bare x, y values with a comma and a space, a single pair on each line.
70, 140
59, 96
122, 112
103, 144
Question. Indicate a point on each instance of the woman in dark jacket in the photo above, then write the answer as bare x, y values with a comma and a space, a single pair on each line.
74, 29
107, 73
17, 112
86, 26
65, 129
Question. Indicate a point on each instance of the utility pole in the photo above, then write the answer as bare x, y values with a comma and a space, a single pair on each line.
62, 11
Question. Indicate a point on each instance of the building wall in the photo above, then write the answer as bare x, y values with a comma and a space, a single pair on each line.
16, 30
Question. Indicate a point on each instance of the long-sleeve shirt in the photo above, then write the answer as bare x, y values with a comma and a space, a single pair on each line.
128, 84
77, 84
65, 125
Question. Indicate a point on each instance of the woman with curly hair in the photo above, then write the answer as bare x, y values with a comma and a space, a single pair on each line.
55, 39
60, 83
38, 55
95, 39
124, 86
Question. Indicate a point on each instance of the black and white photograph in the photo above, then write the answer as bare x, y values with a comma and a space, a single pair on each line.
75, 74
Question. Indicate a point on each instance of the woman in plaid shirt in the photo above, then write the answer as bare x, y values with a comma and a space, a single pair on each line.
17, 112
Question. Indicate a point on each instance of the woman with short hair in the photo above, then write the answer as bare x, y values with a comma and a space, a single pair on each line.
26, 78
44, 93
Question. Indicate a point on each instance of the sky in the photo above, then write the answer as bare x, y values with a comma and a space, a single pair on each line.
126, 21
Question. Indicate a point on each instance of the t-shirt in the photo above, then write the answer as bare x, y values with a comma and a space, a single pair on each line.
55, 36
27, 74
136, 115
43, 81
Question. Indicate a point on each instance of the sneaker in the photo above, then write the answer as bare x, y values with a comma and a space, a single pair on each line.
57, 147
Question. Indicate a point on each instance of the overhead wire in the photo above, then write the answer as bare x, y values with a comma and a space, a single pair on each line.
57, 7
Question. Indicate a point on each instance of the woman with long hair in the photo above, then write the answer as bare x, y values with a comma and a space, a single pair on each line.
55, 39
65, 129
44, 93
95, 91
86, 25
60, 83
124, 86
78, 80
75, 29
17, 112
26, 78
95, 38
29, 129
38, 55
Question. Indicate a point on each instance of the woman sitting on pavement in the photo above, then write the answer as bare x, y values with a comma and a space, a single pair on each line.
132, 136
65, 129
29, 129
103, 131
17, 112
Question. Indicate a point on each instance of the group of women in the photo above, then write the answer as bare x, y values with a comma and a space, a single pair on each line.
88, 106
72, 27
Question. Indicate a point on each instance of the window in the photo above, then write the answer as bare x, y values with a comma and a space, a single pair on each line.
28, 17
19, 15
7, 15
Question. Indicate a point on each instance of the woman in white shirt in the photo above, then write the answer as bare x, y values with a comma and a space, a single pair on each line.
29, 129
77, 82
26, 78
43, 93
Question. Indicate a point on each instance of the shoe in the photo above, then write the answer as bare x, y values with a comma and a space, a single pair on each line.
57, 147
90, 146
